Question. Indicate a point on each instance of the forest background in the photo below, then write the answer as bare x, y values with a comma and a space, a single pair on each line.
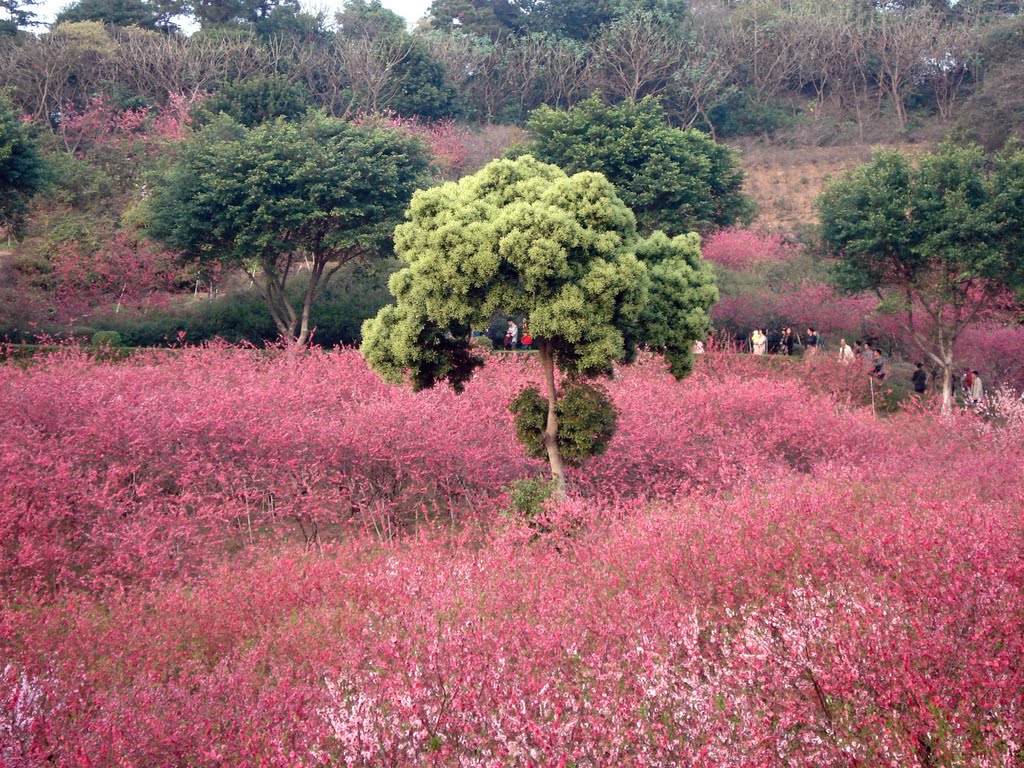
802, 91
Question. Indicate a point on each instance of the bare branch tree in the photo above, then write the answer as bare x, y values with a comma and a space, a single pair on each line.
635, 57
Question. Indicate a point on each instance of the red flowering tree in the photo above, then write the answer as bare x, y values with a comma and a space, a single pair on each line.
739, 248
123, 271
445, 141
122, 141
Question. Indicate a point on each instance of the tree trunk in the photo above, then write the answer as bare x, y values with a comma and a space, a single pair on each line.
947, 387
307, 301
547, 360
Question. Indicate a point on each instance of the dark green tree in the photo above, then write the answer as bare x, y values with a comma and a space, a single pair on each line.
417, 83
368, 18
585, 19
580, 20
939, 242
22, 170
255, 100
120, 13
485, 18
249, 13
290, 21
423, 88
673, 180
524, 239
18, 15
286, 197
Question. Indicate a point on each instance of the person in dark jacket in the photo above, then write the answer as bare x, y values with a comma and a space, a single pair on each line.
920, 379
878, 365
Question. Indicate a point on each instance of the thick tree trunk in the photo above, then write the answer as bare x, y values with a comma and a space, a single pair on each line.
947, 387
547, 359
307, 301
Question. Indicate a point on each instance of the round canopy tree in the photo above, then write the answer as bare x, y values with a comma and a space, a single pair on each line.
273, 199
673, 180
939, 241
523, 238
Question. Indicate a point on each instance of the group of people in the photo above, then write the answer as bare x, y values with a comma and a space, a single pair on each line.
783, 342
973, 389
870, 357
873, 360
864, 351
512, 339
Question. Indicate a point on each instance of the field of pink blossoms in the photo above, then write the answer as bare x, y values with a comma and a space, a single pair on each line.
218, 557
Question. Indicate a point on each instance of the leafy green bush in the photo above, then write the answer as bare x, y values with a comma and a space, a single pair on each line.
586, 422
528, 497
673, 180
742, 117
255, 100
108, 339
243, 316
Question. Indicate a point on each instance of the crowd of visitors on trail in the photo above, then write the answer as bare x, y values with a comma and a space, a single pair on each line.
784, 342
789, 342
763, 342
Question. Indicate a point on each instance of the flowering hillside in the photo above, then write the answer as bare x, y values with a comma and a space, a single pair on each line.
226, 557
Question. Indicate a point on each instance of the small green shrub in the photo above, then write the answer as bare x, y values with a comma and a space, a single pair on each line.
109, 339
586, 422
528, 497
482, 342
742, 117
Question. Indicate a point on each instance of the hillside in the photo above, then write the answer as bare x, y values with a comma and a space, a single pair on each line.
785, 180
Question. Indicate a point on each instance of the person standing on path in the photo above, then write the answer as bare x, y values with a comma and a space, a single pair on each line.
845, 352
511, 335
878, 366
759, 342
920, 379
811, 342
977, 392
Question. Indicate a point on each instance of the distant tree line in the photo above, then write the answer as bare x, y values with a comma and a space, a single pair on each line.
726, 66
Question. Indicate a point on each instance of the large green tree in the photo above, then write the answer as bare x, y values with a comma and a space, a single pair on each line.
524, 238
940, 242
415, 83
673, 180
22, 170
120, 13
580, 20
286, 196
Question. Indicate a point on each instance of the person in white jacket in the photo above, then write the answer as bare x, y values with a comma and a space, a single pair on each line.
511, 335
845, 352
976, 393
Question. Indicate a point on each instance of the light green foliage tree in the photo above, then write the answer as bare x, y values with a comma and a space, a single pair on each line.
22, 170
285, 196
524, 238
939, 242
673, 180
